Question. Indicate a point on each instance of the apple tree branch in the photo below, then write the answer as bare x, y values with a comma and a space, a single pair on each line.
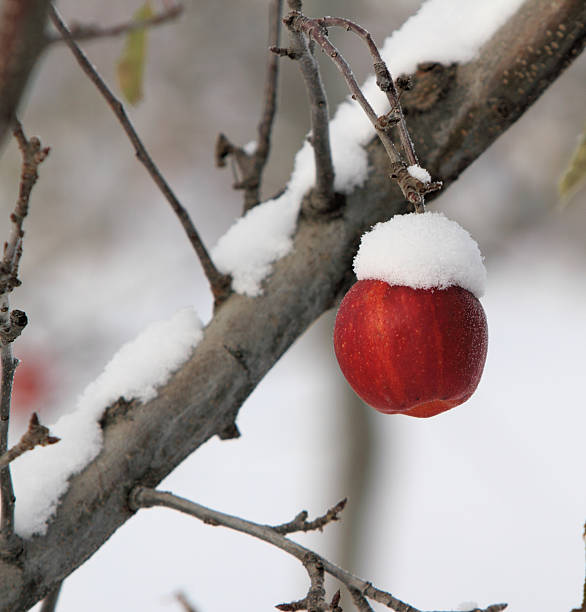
315, 564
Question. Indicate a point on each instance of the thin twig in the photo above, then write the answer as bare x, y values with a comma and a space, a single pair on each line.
9, 364
250, 164
323, 196
360, 601
88, 32
143, 497
265, 126
413, 189
384, 81
184, 602
300, 522
33, 154
50, 602
35, 435
220, 283
12, 323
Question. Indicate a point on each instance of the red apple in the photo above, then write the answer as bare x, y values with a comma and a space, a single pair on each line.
411, 351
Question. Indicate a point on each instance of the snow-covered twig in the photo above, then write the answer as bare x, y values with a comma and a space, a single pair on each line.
143, 497
219, 283
80, 31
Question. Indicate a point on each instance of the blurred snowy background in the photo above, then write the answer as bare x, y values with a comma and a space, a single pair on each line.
485, 503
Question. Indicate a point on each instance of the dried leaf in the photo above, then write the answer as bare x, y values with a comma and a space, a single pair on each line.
130, 67
575, 174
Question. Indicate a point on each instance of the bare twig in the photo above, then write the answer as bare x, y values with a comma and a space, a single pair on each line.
250, 164
143, 497
322, 199
87, 32
360, 601
12, 323
315, 600
220, 283
35, 435
383, 78
184, 602
50, 602
316, 596
270, 105
33, 154
293, 606
414, 190
300, 522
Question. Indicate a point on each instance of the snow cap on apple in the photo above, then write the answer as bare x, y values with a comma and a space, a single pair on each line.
411, 335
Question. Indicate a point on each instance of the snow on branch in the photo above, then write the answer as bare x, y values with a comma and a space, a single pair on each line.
465, 27
135, 373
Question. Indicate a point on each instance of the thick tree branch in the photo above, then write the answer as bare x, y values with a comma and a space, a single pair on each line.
142, 444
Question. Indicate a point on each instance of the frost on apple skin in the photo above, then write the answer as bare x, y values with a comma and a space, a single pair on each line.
410, 351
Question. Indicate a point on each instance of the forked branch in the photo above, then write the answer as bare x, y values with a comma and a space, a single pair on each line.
412, 187
143, 497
